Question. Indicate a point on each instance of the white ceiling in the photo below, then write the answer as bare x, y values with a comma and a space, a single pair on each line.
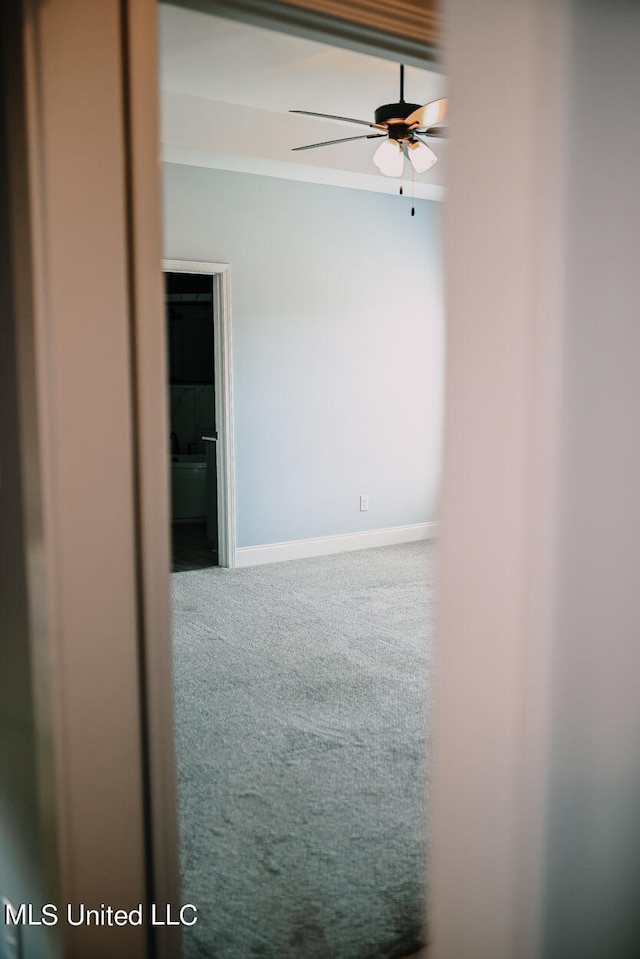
227, 87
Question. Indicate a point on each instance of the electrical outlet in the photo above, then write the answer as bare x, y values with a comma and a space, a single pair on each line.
364, 503
10, 946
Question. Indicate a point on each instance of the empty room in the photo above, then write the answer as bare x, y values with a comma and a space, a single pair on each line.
305, 325
352, 781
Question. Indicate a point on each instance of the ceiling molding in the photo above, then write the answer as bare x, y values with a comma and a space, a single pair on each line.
261, 166
407, 31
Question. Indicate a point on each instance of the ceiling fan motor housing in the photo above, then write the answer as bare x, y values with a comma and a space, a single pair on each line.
395, 111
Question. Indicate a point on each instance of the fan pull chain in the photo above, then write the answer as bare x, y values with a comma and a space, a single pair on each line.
413, 192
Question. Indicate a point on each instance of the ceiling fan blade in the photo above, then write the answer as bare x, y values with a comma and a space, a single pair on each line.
425, 137
327, 143
430, 115
331, 116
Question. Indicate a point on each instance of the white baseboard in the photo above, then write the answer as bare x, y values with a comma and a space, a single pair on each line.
325, 545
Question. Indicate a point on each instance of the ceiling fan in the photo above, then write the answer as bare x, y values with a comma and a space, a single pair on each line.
405, 128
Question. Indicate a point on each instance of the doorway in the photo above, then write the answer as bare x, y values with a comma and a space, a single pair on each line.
200, 441
299, 694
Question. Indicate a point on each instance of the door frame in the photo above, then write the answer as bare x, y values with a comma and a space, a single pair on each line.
74, 54
223, 393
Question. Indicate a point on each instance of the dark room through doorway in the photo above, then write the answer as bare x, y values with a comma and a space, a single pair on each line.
192, 441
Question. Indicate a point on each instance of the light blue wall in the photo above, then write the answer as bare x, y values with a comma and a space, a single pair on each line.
338, 340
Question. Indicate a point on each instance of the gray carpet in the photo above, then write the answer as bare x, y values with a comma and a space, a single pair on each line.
301, 696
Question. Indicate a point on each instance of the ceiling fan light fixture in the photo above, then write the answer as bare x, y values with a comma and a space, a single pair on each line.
389, 158
421, 156
404, 128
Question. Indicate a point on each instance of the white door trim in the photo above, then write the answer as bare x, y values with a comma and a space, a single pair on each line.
223, 390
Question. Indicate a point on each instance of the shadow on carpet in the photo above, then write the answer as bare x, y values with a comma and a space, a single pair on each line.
301, 697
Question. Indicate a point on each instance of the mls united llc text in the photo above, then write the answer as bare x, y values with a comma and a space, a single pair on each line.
77, 914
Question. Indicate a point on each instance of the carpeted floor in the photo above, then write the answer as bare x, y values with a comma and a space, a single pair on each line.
301, 696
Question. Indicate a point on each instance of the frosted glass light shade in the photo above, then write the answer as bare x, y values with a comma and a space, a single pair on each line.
421, 156
389, 158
